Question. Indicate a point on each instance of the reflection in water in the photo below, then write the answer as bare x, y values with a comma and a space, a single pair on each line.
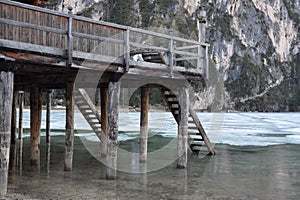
20, 155
234, 173
12, 157
48, 148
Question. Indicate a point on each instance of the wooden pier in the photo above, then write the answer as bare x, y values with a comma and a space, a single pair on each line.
42, 50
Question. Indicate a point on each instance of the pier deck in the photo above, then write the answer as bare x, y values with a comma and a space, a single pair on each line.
44, 49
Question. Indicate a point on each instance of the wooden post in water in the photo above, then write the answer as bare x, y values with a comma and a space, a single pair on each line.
14, 118
20, 156
48, 107
144, 123
21, 107
69, 140
104, 120
6, 98
35, 123
113, 115
183, 98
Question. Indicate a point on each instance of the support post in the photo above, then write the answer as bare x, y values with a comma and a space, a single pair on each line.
48, 111
21, 107
35, 123
14, 118
48, 154
171, 53
98, 99
183, 128
144, 123
206, 63
69, 140
104, 121
127, 50
113, 115
6, 98
20, 156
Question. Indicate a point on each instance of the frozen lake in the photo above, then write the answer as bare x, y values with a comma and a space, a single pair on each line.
239, 129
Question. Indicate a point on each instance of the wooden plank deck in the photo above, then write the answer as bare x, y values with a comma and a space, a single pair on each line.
37, 39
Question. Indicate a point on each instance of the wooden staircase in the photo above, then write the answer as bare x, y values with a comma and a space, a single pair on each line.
196, 133
88, 110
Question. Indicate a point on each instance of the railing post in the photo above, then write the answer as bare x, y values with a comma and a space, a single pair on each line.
70, 37
199, 57
171, 53
206, 63
127, 50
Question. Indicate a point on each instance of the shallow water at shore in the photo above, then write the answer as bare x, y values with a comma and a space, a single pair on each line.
236, 172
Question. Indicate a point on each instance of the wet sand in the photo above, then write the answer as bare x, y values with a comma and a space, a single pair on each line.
234, 173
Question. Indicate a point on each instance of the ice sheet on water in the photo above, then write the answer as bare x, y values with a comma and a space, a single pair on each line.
255, 129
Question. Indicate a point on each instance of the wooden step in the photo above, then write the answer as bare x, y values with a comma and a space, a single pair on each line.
170, 95
198, 139
172, 101
94, 123
88, 110
193, 128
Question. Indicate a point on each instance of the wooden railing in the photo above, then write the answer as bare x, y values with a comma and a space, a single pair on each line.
40, 30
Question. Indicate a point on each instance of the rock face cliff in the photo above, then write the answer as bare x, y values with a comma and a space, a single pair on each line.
254, 44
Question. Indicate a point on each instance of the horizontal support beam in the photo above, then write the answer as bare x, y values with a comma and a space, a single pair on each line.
98, 57
32, 26
32, 47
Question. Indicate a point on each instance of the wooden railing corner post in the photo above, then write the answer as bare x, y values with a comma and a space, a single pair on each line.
171, 52
70, 37
207, 63
126, 50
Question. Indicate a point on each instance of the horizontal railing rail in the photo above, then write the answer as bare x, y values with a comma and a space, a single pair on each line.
27, 27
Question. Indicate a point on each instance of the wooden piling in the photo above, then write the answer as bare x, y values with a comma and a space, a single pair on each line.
113, 114
48, 158
144, 123
48, 107
12, 157
6, 98
104, 120
35, 123
21, 107
69, 140
14, 118
20, 156
183, 98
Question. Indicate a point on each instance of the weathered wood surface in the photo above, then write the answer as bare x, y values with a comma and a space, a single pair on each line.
69, 140
25, 27
144, 123
183, 98
35, 124
6, 98
202, 131
89, 102
113, 124
21, 108
104, 120
19, 156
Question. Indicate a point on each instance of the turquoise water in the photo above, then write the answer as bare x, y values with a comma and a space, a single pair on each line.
236, 172
257, 158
